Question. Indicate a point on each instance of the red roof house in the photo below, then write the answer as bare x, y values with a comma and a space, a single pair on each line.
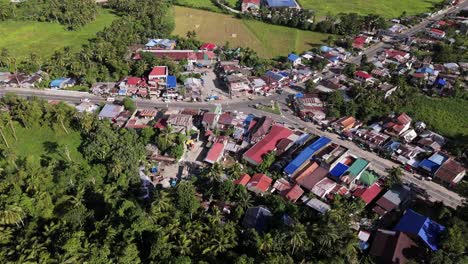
451, 172
260, 183
243, 180
359, 42
362, 76
208, 46
436, 33
369, 194
158, 71
215, 153
255, 154
294, 193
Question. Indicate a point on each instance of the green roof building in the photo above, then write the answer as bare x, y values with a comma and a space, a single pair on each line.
357, 167
368, 178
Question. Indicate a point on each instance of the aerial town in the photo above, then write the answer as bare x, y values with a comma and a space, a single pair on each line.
353, 150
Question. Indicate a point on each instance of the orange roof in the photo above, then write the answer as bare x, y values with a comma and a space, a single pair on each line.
259, 183
348, 121
243, 180
294, 193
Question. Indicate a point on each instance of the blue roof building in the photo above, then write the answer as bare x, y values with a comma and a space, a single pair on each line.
325, 48
171, 82
281, 3
305, 155
421, 226
433, 163
275, 76
338, 171
426, 70
293, 57
62, 83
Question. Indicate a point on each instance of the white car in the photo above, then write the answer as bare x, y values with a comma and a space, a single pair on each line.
84, 100
110, 99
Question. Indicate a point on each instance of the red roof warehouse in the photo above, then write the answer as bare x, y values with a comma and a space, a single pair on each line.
255, 154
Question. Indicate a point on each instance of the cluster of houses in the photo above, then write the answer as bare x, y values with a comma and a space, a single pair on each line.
253, 6
410, 144
21, 80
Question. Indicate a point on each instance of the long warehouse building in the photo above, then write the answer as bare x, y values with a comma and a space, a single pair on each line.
305, 155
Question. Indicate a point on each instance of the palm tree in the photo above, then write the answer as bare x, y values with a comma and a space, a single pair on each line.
243, 199
2, 125
235, 171
13, 215
265, 243
59, 115
394, 176
297, 237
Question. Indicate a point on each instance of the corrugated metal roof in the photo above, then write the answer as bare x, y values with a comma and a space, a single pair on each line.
357, 167
306, 154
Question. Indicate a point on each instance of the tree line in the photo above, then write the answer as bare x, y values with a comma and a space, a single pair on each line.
72, 13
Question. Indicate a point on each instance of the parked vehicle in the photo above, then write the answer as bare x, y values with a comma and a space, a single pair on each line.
110, 99
84, 100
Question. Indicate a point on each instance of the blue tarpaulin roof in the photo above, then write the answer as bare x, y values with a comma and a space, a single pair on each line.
171, 81
306, 154
441, 82
325, 48
425, 70
338, 170
281, 3
275, 76
292, 57
57, 82
438, 158
428, 165
417, 224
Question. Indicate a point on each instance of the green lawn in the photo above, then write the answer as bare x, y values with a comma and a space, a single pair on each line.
200, 4
386, 8
37, 141
447, 116
23, 37
274, 109
268, 40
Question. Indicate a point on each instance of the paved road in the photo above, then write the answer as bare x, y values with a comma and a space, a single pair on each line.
375, 49
435, 191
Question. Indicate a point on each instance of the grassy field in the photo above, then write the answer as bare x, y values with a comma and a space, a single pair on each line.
37, 141
200, 4
23, 37
387, 8
268, 40
444, 115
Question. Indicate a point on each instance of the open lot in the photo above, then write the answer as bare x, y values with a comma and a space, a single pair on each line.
200, 4
23, 37
37, 141
268, 40
388, 8
445, 115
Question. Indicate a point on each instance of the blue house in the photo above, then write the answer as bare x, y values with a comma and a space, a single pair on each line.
62, 83
432, 163
305, 155
171, 82
294, 59
421, 226
282, 3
